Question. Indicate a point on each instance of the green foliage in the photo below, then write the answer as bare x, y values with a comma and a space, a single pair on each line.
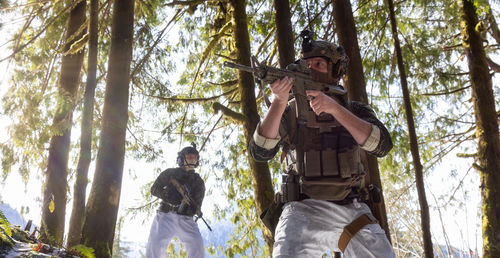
82, 251
5, 233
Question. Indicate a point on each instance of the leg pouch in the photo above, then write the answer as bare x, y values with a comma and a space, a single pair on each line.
271, 216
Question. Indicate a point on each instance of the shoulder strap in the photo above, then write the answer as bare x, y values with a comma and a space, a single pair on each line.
353, 228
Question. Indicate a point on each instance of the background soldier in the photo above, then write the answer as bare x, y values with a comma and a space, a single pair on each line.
323, 188
175, 215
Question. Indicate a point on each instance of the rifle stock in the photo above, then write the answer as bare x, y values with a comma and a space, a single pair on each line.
302, 81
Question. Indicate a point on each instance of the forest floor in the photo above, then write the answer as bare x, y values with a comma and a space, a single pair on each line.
20, 244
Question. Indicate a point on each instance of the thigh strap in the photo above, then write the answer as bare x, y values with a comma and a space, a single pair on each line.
353, 228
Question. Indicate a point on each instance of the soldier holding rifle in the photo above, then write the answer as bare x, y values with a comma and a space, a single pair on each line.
181, 191
322, 132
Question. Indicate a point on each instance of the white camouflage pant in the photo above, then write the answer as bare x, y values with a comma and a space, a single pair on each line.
310, 228
167, 225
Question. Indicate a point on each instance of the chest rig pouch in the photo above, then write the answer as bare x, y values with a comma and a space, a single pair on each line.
331, 163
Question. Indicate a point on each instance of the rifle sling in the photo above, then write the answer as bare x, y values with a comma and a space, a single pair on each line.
353, 228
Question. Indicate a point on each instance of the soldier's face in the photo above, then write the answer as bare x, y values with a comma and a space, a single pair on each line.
191, 159
318, 63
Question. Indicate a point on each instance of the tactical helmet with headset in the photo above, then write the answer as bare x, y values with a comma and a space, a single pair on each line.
335, 55
181, 155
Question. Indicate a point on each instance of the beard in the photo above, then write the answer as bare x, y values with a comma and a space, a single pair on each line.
323, 77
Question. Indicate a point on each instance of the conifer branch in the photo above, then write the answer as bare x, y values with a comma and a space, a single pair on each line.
225, 84
236, 116
191, 100
140, 64
446, 92
189, 3
24, 5
20, 48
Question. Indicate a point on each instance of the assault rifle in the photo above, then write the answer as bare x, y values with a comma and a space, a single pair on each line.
187, 200
302, 81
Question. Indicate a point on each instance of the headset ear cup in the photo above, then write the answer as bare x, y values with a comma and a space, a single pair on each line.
180, 161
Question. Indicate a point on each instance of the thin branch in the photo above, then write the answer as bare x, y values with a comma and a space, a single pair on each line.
446, 92
225, 84
191, 100
210, 133
143, 206
151, 48
452, 47
264, 42
453, 74
189, 3
494, 66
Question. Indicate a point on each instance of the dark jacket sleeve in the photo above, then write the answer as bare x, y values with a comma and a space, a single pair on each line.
366, 113
161, 183
163, 189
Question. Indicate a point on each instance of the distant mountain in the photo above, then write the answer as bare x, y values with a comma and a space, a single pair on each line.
12, 215
455, 252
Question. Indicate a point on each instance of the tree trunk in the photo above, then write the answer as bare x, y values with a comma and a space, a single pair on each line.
78, 211
56, 181
356, 88
284, 33
495, 32
419, 178
102, 207
262, 182
488, 154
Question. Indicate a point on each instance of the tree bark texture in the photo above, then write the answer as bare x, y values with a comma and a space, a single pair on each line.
356, 89
354, 79
262, 181
284, 33
56, 181
419, 178
78, 211
488, 153
102, 207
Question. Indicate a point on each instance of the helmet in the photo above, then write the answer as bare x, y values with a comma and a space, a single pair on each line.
181, 155
335, 55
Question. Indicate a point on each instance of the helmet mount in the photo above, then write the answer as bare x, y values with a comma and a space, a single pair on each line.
335, 55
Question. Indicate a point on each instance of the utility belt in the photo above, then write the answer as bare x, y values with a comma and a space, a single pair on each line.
347, 200
180, 209
291, 191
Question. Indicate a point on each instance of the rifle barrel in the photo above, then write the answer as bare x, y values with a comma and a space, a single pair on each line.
239, 66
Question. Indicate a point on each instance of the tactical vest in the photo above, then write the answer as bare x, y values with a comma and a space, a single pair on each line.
330, 164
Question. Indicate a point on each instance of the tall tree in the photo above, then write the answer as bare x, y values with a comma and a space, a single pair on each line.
488, 152
284, 33
78, 211
419, 178
56, 184
356, 88
102, 208
262, 182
